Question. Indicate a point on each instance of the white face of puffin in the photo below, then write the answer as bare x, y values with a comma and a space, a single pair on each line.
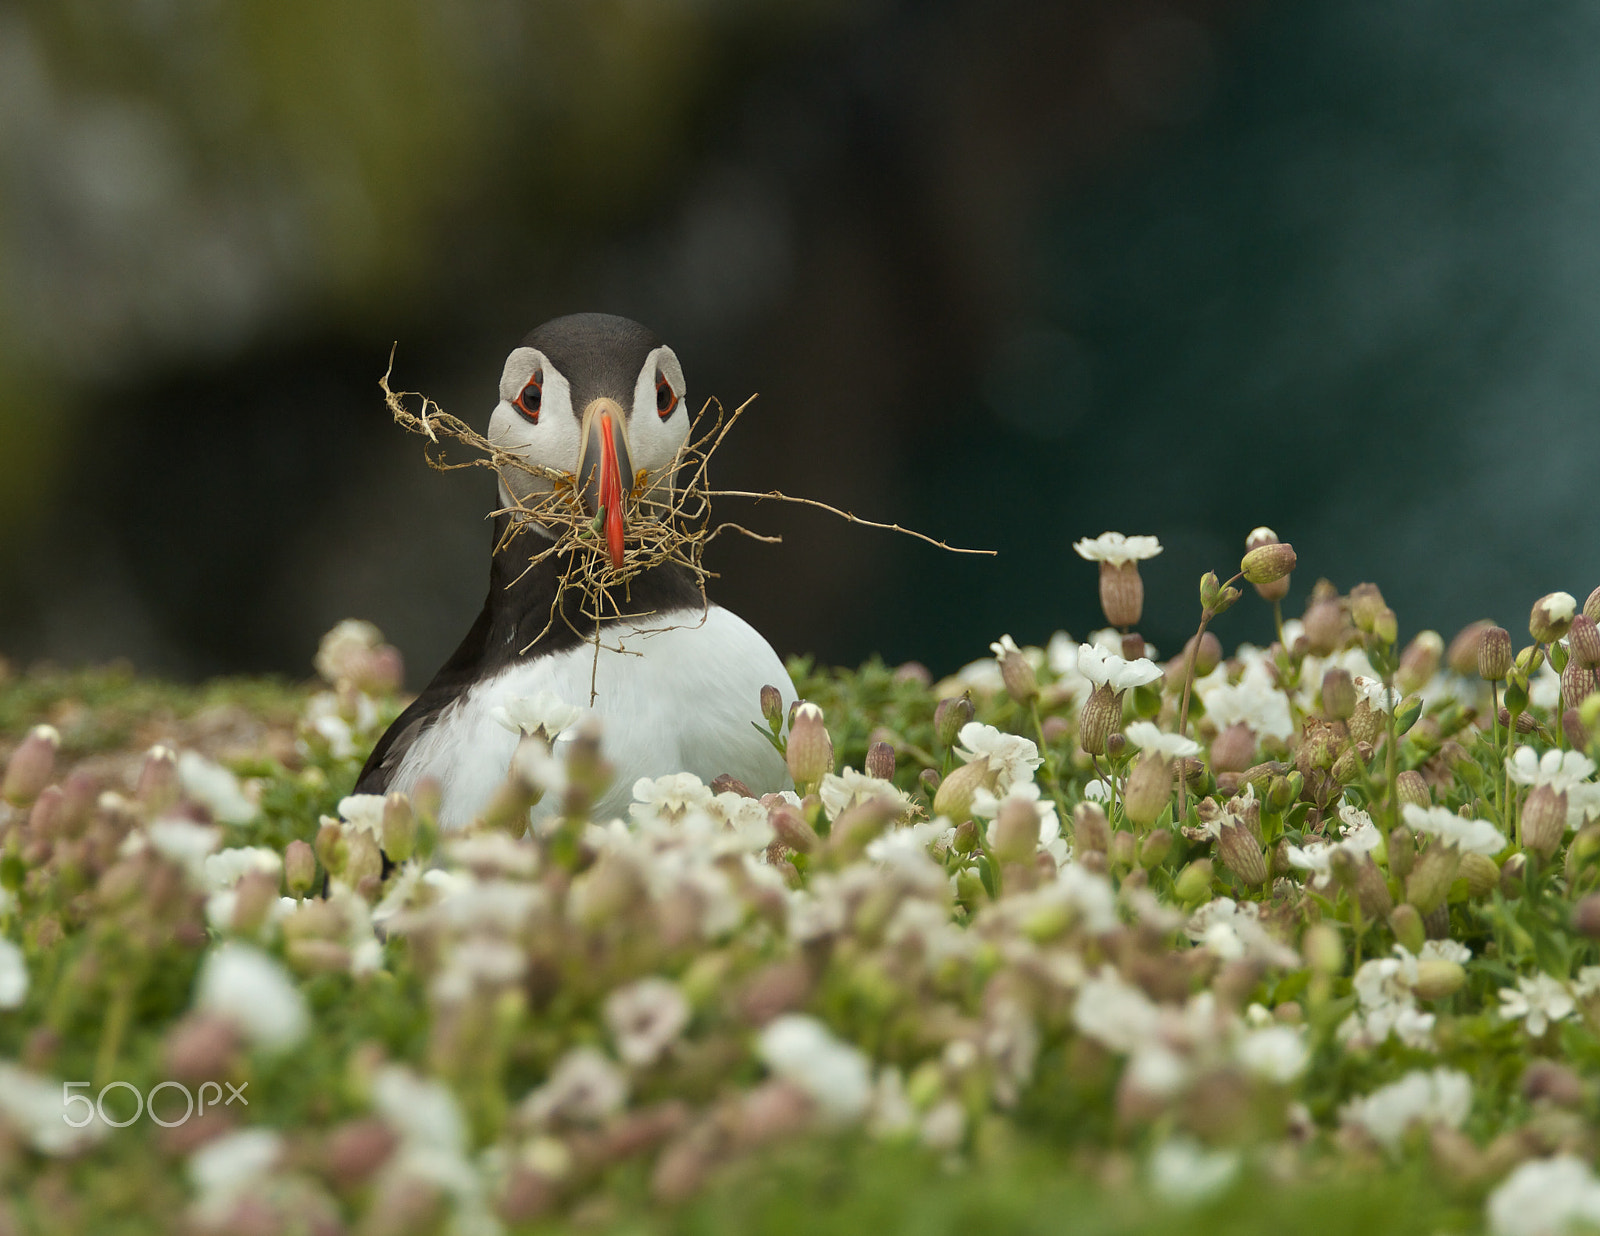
618, 447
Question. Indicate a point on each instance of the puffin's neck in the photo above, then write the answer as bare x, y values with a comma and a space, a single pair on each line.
523, 598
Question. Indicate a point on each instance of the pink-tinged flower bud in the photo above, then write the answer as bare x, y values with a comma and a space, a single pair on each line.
1420, 661
1016, 831
1524, 722
201, 1047
1268, 564
1241, 854
791, 828
1577, 685
950, 716
1462, 655
1325, 626
1494, 654
1155, 847
1586, 916
1021, 683
1149, 789
1481, 874
331, 848
1551, 616
1406, 924
399, 827
1365, 883
299, 868
364, 860
1102, 713
1432, 876
355, 1150
810, 748
1323, 949
1055, 729
1234, 750
1544, 819
1553, 1082
1338, 694
1133, 646
1124, 849
1386, 626
254, 896
1591, 607
954, 799
31, 764
929, 780
1438, 979
158, 787
1584, 639
1091, 831
1121, 593
1402, 852
859, 825
1194, 882
772, 706
1274, 589
880, 761
1412, 788
1366, 603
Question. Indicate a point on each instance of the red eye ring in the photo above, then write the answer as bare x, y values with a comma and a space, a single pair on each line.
529, 400
666, 397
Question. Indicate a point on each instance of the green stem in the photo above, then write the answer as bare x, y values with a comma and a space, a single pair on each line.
1051, 764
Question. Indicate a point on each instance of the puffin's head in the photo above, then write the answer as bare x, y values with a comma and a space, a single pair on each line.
600, 398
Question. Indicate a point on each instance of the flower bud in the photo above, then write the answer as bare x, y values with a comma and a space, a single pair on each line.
157, 788
1551, 616
1234, 750
1338, 694
791, 827
1267, 564
1366, 603
950, 716
365, 859
966, 839
1155, 847
1554, 1082
1102, 713
31, 764
331, 848
254, 896
1323, 949
1121, 593
1462, 655
1021, 683
1432, 876
1241, 854
1123, 849
1544, 819
1406, 924
1324, 622
772, 706
1524, 722
1420, 661
1577, 684
954, 799
810, 751
1480, 873
299, 868
1365, 883
1586, 917
1016, 831
929, 780
1276, 589
1411, 788
1438, 978
1584, 639
880, 761
1402, 853
1148, 790
399, 827
1194, 882
1386, 626
1090, 829
1494, 654
1591, 607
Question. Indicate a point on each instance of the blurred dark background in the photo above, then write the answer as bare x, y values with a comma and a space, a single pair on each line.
1009, 272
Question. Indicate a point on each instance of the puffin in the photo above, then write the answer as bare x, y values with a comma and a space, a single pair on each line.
673, 680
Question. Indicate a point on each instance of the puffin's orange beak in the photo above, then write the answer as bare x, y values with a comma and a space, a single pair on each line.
605, 472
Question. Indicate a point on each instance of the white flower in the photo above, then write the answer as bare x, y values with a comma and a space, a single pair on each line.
1108, 669
1545, 1197
668, 799
1360, 836
363, 813
421, 1110
1469, 836
1274, 1053
345, 647
1384, 987
225, 868
1097, 791
1587, 983
1254, 700
545, 713
248, 987
1233, 930
1117, 549
225, 1168
645, 1018
1010, 756
493, 852
13, 975
1565, 772
841, 791
987, 806
1114, 1013
1183, 1172
1539, 1000
180, 840
836, 1074
1442, 1097
583, 1087
35, 1108
1148, 736
215, 788
1375, 693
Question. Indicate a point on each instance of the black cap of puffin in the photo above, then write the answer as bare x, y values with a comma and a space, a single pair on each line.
601, 399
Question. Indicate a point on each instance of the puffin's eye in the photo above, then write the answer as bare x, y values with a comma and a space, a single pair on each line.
528, 402
666, 397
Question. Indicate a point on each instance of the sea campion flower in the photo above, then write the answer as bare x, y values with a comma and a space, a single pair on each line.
1150, 737
584, 1087
1385, 987
1183, 1172
1565, 772
1468, 836
544, 715
645, 1018
1121, 589
215, 788
1114, 1013
1116, 549
848, 788
1010, 758
1545, 1197
13, 975
1441, 1097
1015, 670
1108, 669
252, 990
834, 1073
1538, 1000
225, 1169
1254, 700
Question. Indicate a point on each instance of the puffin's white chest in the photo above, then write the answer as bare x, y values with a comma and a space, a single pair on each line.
675, 698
